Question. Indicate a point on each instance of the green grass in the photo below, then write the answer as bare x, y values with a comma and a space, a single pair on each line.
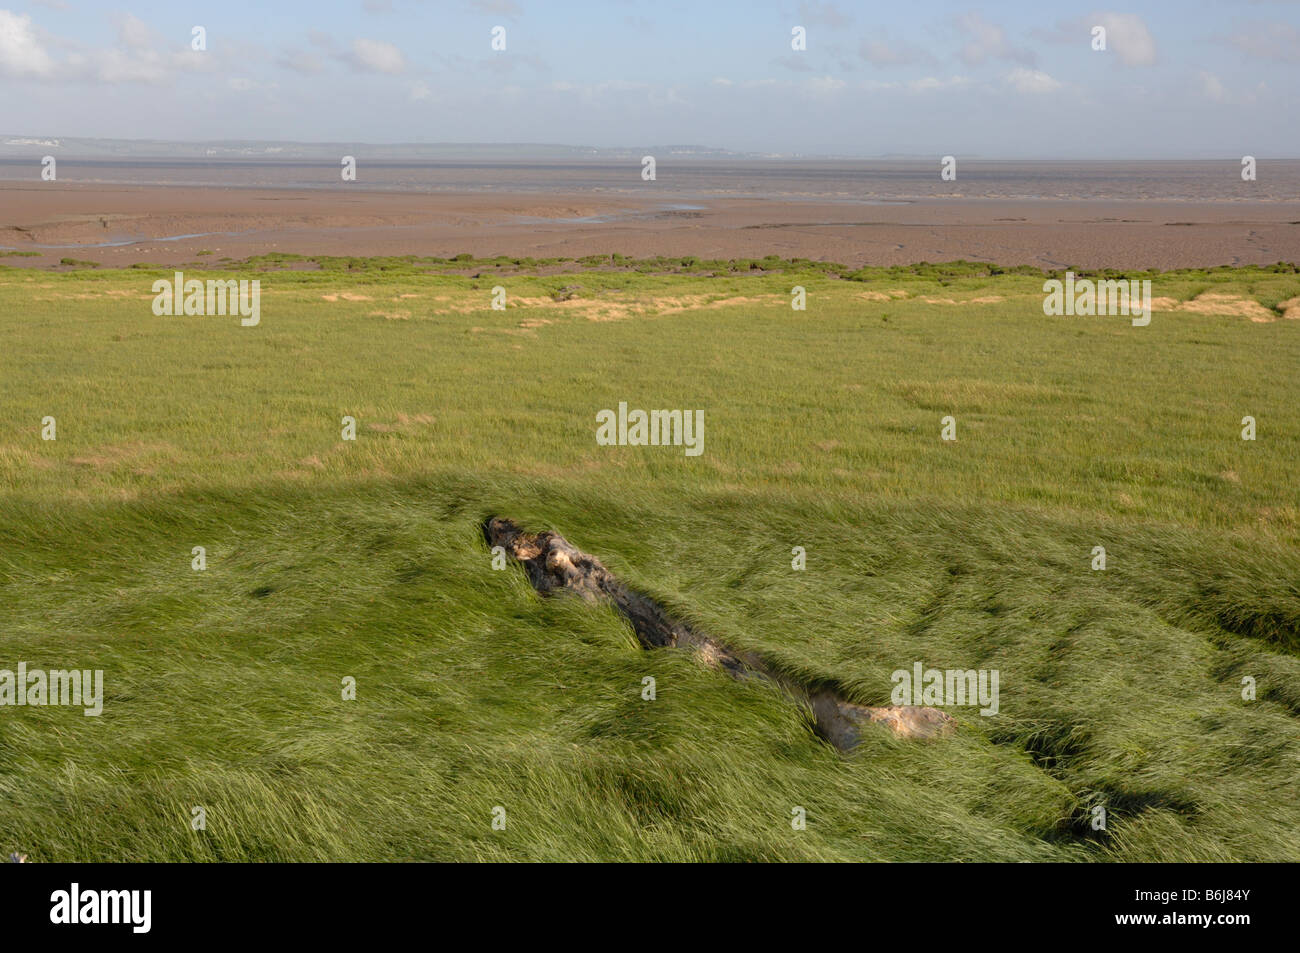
329, 559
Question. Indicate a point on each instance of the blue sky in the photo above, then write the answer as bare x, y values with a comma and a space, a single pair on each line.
1011, 79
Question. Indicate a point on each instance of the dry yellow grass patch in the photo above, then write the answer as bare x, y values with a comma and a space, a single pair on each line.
592, 309
983, 299
599, 309
1231, 305
1226, 305
23, 459
134, 456
722, 303
345, 296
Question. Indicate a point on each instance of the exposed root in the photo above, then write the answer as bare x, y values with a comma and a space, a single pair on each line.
552, 564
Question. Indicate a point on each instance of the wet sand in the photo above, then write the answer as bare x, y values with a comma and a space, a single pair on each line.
120, 225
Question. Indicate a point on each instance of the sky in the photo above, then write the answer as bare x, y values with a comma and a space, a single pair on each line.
1012, 79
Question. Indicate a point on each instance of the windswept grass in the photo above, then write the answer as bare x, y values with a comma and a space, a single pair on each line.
330, 559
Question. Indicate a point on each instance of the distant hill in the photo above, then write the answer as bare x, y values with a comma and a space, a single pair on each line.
24, 145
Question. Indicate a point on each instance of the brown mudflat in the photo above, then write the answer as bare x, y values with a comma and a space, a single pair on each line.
120, 225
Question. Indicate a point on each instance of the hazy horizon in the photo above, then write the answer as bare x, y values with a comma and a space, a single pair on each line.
1175, 81
23, 143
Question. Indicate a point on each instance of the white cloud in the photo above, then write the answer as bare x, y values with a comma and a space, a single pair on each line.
989, 41
21, 53
139, 55
825, 84
118, 66
134, 33
136, 65
597, 93
306, 63
823, 14
1031, 81
930, 83
1270, 41
376, 56
883, 52
1128, 36
1212, 88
